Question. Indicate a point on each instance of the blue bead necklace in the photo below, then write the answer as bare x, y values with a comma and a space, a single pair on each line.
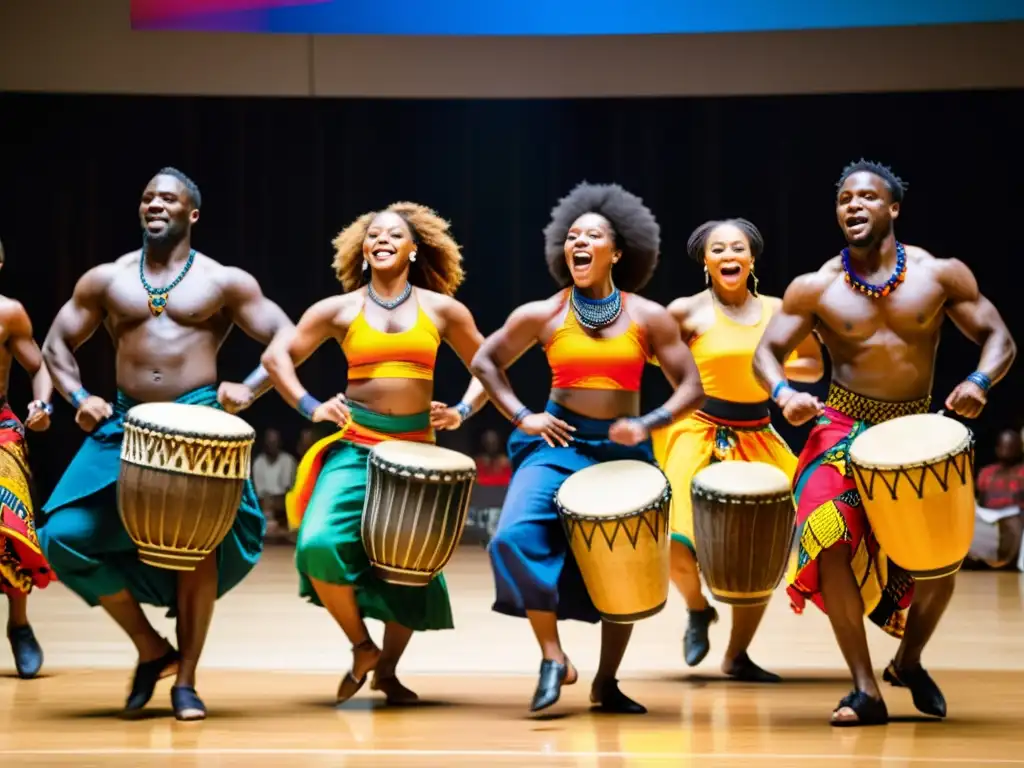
596, 313
158, 296
870, 289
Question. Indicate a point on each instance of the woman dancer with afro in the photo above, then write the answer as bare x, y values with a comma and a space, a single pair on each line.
722, 326
601, 245
399, 269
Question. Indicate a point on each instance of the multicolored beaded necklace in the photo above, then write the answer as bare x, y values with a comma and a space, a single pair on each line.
870, 289
158, 296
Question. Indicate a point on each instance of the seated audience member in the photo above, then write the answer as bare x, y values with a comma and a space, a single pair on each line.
492, 465
998, 524
273, 473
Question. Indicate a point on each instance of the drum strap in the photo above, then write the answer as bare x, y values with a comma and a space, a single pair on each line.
861, 408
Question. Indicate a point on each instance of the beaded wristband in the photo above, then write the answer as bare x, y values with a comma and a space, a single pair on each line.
79, 396
307, 405
778, 389
659, 417
43, 406
981, 379
521, 414
465, 410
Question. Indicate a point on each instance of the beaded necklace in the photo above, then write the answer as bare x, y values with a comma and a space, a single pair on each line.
596, 313
158, 296
388, 303
869, 289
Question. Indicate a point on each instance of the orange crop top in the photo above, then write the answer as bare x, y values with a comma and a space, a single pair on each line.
724, 354
579, 361
408, 354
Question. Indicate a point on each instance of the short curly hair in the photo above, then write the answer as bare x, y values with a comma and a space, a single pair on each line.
438, 265
698, 241
637, 233
897, 187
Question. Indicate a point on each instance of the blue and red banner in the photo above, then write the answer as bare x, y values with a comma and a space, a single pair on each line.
555, 17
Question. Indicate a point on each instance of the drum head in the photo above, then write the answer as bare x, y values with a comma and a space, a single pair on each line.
423, 456
742, 478
909, 441
183, 419
612, 488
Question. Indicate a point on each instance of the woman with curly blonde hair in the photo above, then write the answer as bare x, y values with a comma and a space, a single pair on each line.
399, 268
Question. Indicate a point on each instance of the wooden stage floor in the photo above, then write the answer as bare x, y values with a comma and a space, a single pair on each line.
273, 663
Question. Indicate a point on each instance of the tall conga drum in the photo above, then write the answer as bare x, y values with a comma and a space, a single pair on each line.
616, 517
183, 471
417, 500
915, 475
744, 522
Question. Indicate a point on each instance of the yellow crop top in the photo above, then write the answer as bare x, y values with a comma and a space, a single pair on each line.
580, 361
408, 354
724, 354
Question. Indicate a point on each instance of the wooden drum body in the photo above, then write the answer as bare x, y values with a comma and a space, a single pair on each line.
417, 500
183, 471
915, 475
616, 517
744, 523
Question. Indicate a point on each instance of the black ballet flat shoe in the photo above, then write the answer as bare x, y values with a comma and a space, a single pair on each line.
28, 654
611, 700
695, 642
549, 684
745, 671
147, 675
926, 694
185, 699
868, 711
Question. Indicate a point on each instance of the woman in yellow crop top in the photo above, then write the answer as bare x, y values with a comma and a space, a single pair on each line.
722, 326
399, 268
597, 339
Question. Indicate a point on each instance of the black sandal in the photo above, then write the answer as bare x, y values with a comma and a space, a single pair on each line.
746, 671
350, 685
926, 694
611, 700
184, 698
147, 675
869, 711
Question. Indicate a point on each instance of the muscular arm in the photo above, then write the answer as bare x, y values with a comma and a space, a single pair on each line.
676, 362
805, 363
25, 350
789, 326
978, 319
465, 339
75, 323
258, 317
293, 345
504, 347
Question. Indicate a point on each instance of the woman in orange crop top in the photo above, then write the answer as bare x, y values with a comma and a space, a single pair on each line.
601, 242
399, 268
723, 326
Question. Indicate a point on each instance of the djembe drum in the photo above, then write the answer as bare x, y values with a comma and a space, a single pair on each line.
744, 522
417, 500
915, 475
616, 518
183, 470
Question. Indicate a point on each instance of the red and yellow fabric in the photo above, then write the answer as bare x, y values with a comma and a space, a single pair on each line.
22, 565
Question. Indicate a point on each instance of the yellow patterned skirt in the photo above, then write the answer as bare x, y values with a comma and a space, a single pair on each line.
22, 565
687, 446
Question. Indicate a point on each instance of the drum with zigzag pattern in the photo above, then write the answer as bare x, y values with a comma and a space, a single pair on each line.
616, 517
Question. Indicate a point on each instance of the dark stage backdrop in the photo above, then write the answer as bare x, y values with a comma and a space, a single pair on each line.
281, 177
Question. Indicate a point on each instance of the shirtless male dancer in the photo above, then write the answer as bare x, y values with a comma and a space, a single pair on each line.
878, 308
167, 339
22, 566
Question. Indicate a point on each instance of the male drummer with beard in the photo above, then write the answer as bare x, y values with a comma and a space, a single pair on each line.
167, 309
878, 308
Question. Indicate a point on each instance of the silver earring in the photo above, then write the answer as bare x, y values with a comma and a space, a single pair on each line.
707, 276
412, 256
366, 265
